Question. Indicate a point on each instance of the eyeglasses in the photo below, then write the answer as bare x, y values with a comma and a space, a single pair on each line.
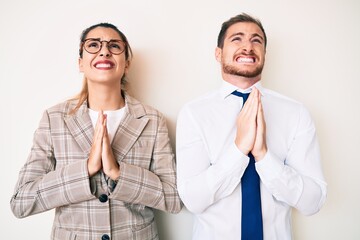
93, 46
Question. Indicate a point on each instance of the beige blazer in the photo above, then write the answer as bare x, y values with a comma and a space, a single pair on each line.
56, 176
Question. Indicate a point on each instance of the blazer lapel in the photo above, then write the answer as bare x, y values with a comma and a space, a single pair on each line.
81, 128
130, 128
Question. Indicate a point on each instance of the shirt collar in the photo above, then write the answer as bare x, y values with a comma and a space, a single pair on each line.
227, 88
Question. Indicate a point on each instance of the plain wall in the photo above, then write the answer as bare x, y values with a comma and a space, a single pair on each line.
312, 56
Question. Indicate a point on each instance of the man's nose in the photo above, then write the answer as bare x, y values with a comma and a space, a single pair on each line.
247, 46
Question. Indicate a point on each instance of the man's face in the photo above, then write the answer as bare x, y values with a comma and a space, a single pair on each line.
243, 53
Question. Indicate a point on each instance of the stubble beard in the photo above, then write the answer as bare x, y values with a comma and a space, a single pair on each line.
228, 69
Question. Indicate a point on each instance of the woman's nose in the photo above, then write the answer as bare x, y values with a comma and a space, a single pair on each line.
104, 51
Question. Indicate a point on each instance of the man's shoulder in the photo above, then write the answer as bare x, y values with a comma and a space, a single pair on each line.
203, 101
279, 98
287, 105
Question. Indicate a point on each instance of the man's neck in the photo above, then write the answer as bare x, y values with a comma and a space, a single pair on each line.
241, 82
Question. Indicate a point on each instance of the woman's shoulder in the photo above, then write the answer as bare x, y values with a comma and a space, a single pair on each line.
140, 109
62, 108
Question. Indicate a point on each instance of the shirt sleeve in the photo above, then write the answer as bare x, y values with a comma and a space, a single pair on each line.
298, 180
201, 183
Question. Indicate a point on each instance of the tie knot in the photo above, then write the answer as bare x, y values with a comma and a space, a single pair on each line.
240, 94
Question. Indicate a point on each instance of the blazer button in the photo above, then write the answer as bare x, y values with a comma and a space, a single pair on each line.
103, 198
105, 237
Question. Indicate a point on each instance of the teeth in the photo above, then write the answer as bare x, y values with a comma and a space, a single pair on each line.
103, 65
246, 60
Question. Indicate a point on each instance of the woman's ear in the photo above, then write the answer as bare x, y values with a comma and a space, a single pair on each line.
127, 66
80, 65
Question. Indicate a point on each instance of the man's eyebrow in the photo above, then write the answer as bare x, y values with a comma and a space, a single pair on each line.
242, 34
236, 34
257, 35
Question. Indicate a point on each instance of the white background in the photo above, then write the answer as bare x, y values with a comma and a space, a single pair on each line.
312, 56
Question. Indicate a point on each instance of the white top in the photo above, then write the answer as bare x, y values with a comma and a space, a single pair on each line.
210, 166
113, 120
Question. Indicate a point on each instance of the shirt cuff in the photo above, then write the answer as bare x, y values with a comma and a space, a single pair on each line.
235, 157
269, 167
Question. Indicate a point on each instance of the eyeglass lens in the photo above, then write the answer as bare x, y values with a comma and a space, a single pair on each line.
94, 46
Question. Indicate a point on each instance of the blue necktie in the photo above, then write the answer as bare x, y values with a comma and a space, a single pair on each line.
251, 218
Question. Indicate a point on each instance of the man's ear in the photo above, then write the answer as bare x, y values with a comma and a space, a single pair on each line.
218, 54
80, 65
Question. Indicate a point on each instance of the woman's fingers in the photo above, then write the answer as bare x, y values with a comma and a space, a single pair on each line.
94, 161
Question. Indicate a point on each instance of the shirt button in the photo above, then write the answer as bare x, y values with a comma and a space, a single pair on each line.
105, 237
103, 198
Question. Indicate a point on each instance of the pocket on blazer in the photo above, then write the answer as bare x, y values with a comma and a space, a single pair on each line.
62, 234
141, 216
145, 231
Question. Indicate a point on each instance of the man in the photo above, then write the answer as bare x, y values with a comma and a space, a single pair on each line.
223, 145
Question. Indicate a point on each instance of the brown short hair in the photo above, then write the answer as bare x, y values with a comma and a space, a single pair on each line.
243, 17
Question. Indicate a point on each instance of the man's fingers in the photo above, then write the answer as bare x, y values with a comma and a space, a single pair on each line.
250, 107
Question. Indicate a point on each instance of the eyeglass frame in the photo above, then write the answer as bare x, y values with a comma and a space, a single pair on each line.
101, 42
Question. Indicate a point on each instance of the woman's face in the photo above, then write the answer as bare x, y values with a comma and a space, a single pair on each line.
103, 67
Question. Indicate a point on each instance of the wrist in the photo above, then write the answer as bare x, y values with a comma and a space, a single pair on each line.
259, 155
241, 148
115, 174
92, 168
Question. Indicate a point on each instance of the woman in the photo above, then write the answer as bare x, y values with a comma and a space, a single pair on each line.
102, 160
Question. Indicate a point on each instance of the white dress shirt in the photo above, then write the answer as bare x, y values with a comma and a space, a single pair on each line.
210, 166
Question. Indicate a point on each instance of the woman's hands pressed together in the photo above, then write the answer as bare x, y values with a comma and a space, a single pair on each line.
101, 155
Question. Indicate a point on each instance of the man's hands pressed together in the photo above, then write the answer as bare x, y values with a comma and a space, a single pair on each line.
251, 127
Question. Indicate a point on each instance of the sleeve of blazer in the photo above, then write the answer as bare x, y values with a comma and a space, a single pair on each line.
41, 185
154, 187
